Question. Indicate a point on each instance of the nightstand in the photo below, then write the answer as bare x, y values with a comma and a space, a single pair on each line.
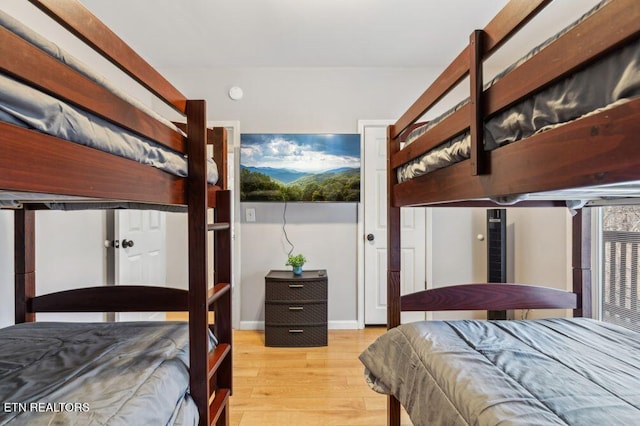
296, 308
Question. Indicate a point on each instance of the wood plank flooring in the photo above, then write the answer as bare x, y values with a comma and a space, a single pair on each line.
304, 386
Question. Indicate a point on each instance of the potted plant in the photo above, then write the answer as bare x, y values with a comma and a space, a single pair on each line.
296, 262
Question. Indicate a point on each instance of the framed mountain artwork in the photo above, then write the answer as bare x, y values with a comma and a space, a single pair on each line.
300, 167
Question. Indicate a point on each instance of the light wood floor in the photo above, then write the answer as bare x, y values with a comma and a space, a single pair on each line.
304, 386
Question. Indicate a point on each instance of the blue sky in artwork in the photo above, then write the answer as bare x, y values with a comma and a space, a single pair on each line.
302, 152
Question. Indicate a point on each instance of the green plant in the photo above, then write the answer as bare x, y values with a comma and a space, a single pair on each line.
296, 260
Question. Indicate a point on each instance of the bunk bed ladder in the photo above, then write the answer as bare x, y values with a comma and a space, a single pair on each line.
210, 372
219, 298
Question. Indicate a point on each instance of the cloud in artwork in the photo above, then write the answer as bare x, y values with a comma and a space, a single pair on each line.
301, 152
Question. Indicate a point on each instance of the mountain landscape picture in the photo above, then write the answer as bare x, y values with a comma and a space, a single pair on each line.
300, 167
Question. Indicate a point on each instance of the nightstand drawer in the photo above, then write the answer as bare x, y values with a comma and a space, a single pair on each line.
296, 313
296, 290
296, 336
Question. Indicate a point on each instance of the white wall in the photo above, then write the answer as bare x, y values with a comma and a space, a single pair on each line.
324, 232
6, 268
537, 243
69, 254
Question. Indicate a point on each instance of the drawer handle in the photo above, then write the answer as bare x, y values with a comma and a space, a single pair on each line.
296, 330
296, 285
296, 308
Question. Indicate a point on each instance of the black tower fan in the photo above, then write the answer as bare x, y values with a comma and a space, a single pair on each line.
497, 253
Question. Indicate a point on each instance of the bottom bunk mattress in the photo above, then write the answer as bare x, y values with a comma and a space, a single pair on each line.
101, 373
535, 372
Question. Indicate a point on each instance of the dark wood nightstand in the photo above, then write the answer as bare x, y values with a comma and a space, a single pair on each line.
296, 308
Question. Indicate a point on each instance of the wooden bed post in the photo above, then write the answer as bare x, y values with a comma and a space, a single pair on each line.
581, 261
393, 262
24, 263
476, 119
197, 224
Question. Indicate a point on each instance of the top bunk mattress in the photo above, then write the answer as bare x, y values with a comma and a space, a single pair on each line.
573, 371
103, 373
607, 82
25, 106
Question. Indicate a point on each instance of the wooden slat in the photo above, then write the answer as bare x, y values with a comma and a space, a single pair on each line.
489, 296
71, 169
78, 20
218, 410
119, 298
24, 263
217, 357
450, 126
571, 155
218, 226
217, 292
508, 22
26, 62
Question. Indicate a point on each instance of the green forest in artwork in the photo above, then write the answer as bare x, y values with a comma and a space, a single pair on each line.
336, 185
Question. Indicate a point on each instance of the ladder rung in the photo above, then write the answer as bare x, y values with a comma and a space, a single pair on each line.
218, 404
216, 292
218, 226
217, 356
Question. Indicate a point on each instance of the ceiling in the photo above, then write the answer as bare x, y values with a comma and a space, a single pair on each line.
295, 33
301, 33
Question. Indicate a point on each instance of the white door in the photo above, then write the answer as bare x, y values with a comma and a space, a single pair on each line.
141, 256
413, 258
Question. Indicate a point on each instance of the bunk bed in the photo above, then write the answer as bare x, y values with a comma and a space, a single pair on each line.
549, 371
109, 373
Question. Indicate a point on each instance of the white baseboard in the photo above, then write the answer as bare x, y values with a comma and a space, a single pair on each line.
251, 325
343, 325
332, 325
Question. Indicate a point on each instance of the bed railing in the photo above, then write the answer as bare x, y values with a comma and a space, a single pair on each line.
613, 25
488, 296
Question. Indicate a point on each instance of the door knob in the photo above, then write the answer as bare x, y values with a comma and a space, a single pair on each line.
370, 237
127, 243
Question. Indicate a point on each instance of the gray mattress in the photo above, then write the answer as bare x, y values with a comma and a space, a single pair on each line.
25, 106
537, 372
610, 80
92, 374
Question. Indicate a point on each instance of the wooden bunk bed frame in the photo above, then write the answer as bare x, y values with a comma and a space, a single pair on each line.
34, 162
595, 150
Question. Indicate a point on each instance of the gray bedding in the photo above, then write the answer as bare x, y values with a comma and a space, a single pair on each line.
612, 79
92, 374
537, 372
25, 106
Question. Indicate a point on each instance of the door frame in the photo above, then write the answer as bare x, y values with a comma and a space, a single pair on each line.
362, 124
